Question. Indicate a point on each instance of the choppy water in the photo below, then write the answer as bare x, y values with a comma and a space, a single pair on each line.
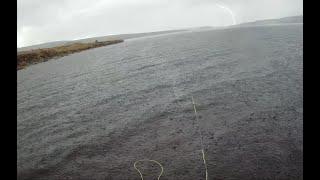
91, 115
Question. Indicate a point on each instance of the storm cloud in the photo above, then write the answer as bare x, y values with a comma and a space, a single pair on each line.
41, 21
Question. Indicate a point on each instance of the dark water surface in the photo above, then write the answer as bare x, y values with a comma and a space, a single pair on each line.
91, 115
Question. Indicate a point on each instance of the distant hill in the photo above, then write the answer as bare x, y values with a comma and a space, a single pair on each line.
44, 45
291, 19
93, 39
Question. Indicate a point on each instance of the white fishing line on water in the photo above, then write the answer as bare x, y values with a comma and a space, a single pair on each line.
201, 138
198, 123
201, 141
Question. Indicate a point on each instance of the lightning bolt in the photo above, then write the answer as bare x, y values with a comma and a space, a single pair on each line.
229, 11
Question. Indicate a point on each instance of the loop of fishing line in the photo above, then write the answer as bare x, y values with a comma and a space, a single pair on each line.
134, 165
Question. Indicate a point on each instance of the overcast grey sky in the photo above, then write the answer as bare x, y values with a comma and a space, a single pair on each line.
41, 21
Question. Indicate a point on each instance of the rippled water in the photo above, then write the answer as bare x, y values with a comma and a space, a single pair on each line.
91, 115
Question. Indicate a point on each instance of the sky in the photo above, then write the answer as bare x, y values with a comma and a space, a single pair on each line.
41, 21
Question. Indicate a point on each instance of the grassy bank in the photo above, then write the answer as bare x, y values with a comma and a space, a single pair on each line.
26, 58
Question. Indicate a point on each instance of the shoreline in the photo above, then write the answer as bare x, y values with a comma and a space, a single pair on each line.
28, 58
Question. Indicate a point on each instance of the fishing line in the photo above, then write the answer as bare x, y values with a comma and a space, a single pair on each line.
150, 160
200, 134
201, 138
